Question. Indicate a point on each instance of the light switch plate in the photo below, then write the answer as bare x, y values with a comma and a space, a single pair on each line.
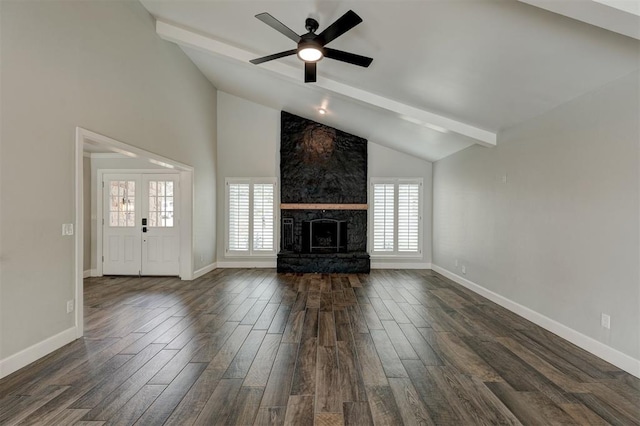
605, 321
67, 229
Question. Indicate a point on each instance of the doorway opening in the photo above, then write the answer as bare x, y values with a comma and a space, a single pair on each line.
160, 171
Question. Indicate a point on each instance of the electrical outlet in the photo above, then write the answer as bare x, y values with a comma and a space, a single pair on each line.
464, 269
69, 306
457, 263
503, 178
605, 321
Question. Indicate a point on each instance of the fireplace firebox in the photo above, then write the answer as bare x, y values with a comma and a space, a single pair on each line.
324, 236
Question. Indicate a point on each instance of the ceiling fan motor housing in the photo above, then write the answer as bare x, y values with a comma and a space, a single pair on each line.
311, 25
308, 41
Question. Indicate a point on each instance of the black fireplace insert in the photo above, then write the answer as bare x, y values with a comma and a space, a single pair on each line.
324, 236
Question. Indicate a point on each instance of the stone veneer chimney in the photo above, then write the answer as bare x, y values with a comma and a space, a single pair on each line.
323, 175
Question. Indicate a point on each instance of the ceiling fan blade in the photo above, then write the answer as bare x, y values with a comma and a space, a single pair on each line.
339, 27
274, 56
310, 72
278, 26
351, 58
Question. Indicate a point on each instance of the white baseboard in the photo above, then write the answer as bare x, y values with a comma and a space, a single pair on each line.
248, 264
200, 272
599, 349
90, 273
34, 352
399, 265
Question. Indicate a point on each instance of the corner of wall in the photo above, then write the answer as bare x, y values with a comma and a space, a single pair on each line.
26, 356
204, 270
607, 353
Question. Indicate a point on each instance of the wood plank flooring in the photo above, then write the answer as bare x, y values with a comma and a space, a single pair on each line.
250, 346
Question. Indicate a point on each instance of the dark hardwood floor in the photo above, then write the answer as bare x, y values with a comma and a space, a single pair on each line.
254, 347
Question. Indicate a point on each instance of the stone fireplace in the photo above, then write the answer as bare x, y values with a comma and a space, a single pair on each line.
323, 188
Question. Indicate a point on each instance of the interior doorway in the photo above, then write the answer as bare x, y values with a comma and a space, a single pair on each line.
88, 141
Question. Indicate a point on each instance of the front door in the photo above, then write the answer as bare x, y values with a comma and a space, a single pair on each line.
140, 226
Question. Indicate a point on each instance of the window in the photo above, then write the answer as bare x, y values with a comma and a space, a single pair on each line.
408, 217
383, 217
396, 217
251, 216
161, 203
238, 211
263, 219
122, 201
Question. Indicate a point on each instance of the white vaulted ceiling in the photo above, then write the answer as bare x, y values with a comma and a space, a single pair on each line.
446, 74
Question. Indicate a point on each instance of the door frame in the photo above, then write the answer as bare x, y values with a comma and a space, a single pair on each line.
84, 137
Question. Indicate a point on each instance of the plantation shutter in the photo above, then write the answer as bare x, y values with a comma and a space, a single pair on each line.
408, 217
239, 216
383, 217
263, 213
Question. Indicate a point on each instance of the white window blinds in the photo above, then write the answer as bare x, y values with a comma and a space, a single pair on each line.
408, 217
251, 216
263, 217
383, 217
396, 217
238, 216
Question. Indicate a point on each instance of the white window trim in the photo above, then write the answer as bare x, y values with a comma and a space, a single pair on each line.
276, 220
395, 254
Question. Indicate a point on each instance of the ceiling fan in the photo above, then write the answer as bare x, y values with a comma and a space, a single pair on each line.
311, 46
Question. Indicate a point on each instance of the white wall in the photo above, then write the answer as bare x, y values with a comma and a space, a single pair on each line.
561, 236
249, 146
385, 162
100, 66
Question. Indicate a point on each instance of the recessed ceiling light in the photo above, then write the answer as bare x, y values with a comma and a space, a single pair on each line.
322, 111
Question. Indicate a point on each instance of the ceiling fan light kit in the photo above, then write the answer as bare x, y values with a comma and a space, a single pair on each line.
310, 54
311, 46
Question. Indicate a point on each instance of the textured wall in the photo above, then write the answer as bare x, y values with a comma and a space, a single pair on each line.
320, 164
